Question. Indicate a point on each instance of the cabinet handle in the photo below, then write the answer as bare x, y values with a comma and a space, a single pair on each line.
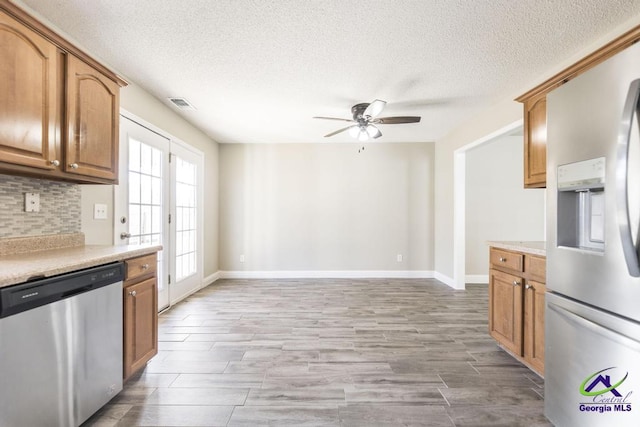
73, 166
55, 162
503, 259
133, 293
145, 266
516, 283
529, 287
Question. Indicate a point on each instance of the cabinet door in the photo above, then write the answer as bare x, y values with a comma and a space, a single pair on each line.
534, 325
92, 122
140, 325
505, 310
535, 142
28, 94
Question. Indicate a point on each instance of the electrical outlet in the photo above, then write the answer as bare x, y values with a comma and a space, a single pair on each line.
241, 258
32, 202
399, 257
99, 211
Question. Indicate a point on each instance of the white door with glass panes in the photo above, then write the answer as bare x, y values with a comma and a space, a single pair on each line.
158, 201
142, 197
186, 220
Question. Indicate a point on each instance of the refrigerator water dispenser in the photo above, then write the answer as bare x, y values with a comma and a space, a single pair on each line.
581, 209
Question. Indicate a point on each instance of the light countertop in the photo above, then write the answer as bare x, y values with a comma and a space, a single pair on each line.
533, 248
22, 267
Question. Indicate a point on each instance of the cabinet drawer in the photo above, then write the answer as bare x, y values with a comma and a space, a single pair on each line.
536, 267
141, 266
506, 259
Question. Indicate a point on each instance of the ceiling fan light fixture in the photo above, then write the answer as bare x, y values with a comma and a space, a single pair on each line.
372, 131
354, 131
363, 135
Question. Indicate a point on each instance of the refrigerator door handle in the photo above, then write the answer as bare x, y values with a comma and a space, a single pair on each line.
627, 236
621, 336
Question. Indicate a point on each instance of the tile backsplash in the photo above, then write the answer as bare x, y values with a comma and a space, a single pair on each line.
60, 207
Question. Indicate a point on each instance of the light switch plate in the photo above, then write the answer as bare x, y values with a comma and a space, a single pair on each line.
32, 202
99, 211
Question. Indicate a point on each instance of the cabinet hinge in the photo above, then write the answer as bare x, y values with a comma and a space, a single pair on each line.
169, 218
169, 280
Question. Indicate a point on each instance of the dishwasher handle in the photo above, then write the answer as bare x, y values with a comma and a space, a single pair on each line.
26, 296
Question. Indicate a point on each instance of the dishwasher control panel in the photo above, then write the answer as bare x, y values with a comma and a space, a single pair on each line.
26, 296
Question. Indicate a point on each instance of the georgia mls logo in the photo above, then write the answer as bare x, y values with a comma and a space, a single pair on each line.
606, 392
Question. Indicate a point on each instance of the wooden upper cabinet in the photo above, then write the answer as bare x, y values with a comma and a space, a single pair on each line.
92, 122
535, 142
28, 90
59, 108
535, 107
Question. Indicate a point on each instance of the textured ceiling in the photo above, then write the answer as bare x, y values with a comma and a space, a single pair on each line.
258, 70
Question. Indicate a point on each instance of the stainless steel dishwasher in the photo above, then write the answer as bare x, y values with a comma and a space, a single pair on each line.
60, 347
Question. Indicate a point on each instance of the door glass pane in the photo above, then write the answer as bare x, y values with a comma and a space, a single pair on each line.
185, 221
134, 155
145, 198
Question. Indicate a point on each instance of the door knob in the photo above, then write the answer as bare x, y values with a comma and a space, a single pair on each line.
133, 293
73, 166
516, 283
125, 235
55, 162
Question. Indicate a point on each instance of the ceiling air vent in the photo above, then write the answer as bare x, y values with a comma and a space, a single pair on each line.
182, 103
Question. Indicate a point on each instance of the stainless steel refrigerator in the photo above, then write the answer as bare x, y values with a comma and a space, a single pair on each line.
592, 323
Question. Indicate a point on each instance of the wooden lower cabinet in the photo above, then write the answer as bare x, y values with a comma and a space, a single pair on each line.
533, 351
140, 293
516, 305
505, 310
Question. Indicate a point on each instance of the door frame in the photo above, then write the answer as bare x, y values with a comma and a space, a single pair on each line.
459, 201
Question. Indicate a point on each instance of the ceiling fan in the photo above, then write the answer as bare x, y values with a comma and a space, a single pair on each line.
365, 117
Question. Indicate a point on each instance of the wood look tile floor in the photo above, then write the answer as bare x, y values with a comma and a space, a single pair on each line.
378, 352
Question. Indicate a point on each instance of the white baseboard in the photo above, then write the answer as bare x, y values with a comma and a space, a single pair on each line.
327, 274
445, 279
210, 279
340, 274
477, 278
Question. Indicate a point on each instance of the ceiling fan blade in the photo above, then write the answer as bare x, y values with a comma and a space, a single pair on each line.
339, 130
374, 108
333, 118
397, 120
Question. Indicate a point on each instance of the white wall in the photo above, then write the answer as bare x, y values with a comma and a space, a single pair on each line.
497, 206
139, 102
326, 207
500, 115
